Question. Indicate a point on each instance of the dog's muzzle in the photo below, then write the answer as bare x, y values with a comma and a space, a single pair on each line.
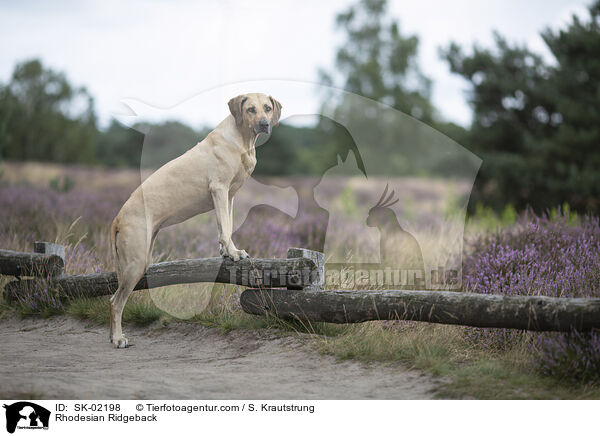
263, 127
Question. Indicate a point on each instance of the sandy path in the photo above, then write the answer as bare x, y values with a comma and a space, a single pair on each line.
63, 357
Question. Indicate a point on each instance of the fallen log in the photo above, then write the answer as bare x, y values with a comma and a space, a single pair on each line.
293, 272
477, 310
14, 263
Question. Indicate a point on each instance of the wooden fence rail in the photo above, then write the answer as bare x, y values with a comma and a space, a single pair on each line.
302, 269
303, 297
14, 263
444, 307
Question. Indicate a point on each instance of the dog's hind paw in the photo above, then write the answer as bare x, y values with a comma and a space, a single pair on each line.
122, 342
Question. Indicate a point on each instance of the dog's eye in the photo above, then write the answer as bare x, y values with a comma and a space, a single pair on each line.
267, 108
252, 110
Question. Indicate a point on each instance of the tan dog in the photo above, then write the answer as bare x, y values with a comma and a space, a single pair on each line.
204, 178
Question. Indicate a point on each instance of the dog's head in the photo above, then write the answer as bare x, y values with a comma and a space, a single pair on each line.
255, 112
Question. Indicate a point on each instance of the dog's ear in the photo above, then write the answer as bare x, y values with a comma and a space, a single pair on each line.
276, 110
236, 104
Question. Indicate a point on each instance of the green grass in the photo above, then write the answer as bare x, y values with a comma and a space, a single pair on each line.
139, 310
441, 351
229, 319
504, 377
467, 372
485, 218
5, 308
431, 348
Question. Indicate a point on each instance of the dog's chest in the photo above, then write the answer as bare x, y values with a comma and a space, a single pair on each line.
244, 172
248, 162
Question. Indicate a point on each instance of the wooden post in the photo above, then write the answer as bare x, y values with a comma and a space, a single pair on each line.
47, 261
50, 248
316, 279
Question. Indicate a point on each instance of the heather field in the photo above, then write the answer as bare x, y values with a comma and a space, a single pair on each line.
557, 254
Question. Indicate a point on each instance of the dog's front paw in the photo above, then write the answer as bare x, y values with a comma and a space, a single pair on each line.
229, 250
242, 254
236, 254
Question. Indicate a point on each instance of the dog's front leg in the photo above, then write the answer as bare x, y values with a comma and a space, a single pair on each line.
231, 214
220, 196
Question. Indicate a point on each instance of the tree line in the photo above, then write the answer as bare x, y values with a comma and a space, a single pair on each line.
536, 123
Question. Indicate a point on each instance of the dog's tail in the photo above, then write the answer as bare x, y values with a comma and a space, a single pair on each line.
114, 231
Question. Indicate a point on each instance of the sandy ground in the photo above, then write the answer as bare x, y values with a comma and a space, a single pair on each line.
65, 358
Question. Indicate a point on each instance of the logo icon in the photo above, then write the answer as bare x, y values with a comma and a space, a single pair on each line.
26, 415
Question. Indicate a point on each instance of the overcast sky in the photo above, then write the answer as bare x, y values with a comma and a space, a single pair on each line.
164, 52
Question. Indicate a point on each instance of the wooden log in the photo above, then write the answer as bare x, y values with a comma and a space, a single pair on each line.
15, 263
477, 310
246, 272
317, 279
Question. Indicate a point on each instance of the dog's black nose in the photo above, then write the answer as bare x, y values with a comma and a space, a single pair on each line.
263, 123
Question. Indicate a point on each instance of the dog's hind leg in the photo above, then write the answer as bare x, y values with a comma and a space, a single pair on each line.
132, 274
132, 249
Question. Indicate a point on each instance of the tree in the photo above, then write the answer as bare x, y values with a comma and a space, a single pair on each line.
506, 97
572, 156
378, 62
166, 141
534, 124
119, 146
5, 114
45, 117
